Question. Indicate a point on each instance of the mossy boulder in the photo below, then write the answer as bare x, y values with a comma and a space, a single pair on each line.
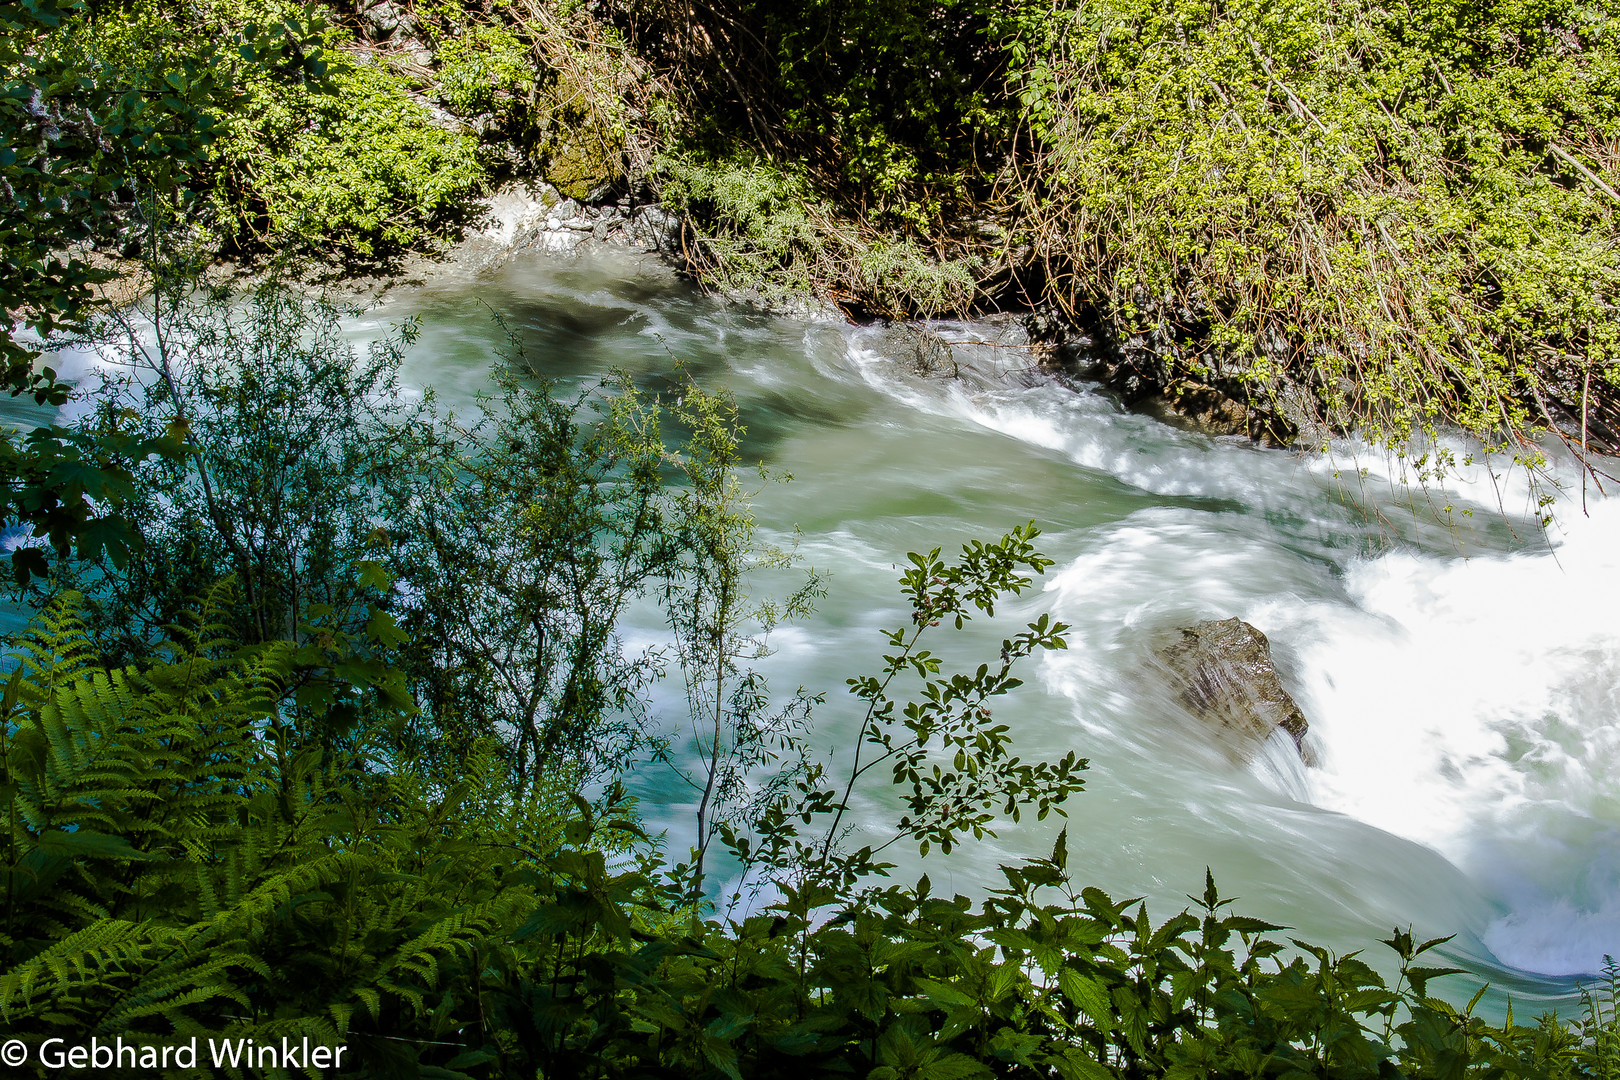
582, 164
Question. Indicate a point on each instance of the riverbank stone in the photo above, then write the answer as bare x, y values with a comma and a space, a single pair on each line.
1226, 677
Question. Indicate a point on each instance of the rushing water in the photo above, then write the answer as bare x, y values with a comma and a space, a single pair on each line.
1461, 672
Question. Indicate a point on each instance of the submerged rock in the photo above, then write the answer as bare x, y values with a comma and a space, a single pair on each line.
1227, 677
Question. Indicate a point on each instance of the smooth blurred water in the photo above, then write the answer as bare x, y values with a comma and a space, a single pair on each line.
1461, 673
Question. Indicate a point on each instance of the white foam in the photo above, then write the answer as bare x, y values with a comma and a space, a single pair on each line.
1474, 705
1556, 938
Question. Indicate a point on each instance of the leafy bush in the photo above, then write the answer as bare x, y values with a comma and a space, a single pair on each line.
761, 230
1373, 200
485, 69
344, 162
362, 171
99, 132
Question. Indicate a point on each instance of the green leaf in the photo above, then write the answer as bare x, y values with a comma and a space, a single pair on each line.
1088, 995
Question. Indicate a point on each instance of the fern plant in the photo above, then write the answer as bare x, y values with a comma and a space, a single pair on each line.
175, 864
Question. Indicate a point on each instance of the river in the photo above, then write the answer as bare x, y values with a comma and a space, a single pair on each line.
1460, 670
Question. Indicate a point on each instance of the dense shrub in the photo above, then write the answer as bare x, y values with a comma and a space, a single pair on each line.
344, 164
756, 229
360, 171
1400, 206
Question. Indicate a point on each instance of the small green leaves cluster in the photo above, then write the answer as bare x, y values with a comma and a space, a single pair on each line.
951, 720
939, 751
757, 229
361, 172
307, 148
485, 70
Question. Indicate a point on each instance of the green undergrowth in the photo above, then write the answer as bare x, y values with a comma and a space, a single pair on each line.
344, 163
553, 85
1402, 207
756, 229
180, 863
360, 172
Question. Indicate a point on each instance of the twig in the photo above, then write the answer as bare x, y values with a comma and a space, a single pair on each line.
1569, 159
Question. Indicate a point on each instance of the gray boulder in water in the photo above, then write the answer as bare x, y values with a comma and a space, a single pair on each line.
1227, 677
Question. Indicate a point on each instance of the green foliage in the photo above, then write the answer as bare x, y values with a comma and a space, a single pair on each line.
894, 105
951, 720
749, 748
485, 69
475, 568
551, 81
175, 867
1366, 199
363, 171
78, 128
758, 229
340, 163
518, 542
116, 118
1393, 218
91, 137
172, 869
283, 446
1600, 1027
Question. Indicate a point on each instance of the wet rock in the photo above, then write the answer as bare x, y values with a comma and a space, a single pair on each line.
1210, 409
1189, 404
609, 191
515, 212
131, 280
651, 229
1227, 677
382, 21
1153, 372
